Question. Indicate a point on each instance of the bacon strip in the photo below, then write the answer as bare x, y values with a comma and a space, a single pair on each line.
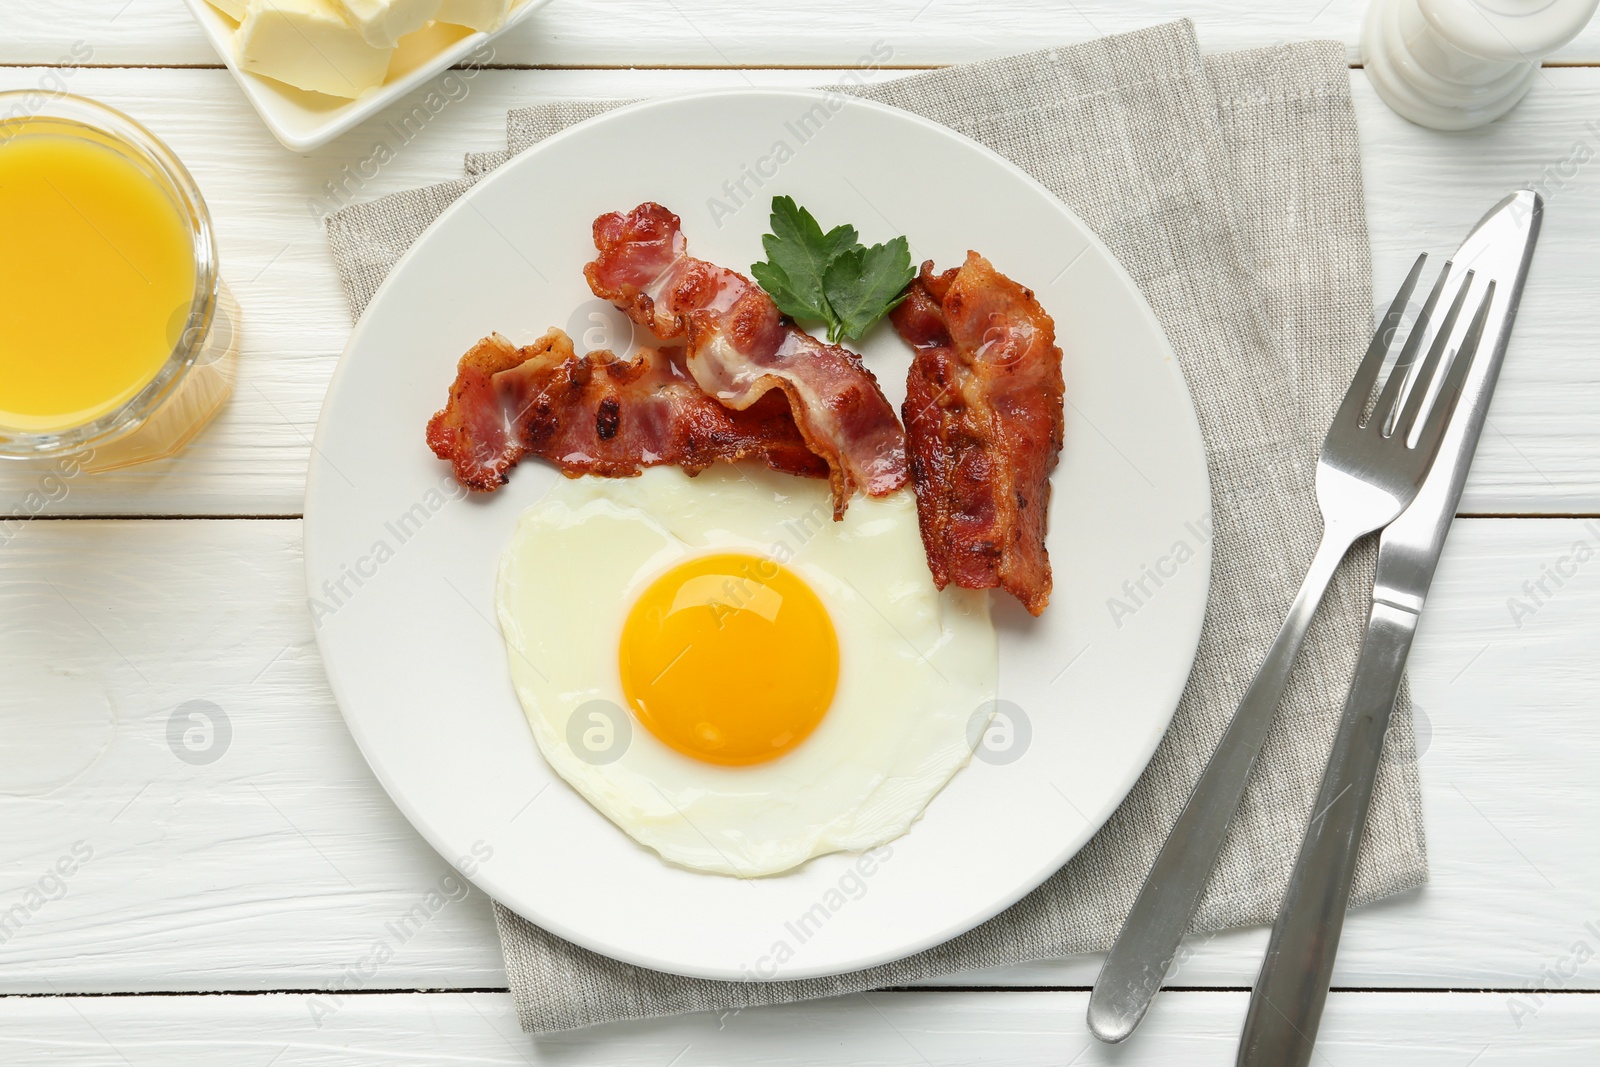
984, 420
740, 348
598, 414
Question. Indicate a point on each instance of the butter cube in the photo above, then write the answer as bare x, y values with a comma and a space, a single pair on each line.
384, 22
311, 45
487, 15
234, 9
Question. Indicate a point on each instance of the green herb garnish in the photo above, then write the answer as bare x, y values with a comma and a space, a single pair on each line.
831, 277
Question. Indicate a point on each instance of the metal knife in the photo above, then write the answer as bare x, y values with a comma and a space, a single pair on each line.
1286, 1005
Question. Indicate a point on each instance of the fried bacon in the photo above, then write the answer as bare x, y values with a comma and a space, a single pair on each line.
598, 414
984, 418
741, 349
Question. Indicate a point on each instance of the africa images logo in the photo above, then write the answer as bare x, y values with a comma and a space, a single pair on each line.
1141, 589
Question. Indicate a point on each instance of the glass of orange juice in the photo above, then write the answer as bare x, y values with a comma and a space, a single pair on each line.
118, 340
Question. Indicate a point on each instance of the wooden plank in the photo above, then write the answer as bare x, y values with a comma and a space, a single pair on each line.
707, 33
113, 638
1542, 453
877, 1030
1425, 189
281, 862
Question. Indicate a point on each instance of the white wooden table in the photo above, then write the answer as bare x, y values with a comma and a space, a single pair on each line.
264, 877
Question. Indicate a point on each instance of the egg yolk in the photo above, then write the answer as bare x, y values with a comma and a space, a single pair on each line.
729, 659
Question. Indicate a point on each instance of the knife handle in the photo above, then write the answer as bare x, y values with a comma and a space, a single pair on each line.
1286, 1005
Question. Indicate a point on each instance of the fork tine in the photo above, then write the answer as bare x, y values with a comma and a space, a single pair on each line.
1354, 404
1455, 381
1430, 366
1389, 399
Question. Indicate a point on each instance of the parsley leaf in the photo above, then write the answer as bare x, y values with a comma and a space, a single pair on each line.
864, 285
830, 277
798, 254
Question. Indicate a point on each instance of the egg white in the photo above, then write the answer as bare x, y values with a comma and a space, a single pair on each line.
916, 664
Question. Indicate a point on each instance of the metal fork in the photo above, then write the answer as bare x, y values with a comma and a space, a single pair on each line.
1370, 469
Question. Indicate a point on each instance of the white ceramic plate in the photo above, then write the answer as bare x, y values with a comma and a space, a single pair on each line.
418, 666
303, 120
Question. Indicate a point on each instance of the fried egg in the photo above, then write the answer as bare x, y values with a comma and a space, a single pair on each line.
730, 676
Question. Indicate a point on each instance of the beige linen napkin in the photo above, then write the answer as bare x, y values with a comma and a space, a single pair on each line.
1230, 188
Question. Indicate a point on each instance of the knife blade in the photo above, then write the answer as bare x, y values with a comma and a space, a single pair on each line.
1286, 1005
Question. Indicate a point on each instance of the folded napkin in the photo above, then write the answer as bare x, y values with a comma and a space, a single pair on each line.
1230, 188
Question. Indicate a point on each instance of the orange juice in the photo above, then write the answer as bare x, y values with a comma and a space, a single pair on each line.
97, 277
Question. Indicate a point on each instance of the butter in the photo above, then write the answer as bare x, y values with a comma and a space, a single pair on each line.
487, 15
384, 22
234, 9
309, 44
